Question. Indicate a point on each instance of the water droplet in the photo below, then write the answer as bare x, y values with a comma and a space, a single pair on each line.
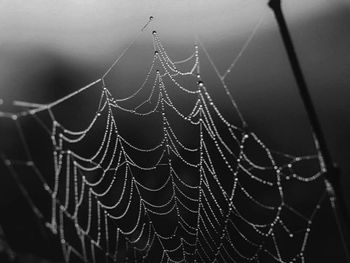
154, 32
151, 18
200, 83
198, 76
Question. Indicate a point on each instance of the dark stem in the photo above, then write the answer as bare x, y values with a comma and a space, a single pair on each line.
332, 174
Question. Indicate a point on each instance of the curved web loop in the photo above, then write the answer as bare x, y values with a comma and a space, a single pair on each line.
201, 199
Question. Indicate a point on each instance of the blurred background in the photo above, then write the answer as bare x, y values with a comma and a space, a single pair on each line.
49, 49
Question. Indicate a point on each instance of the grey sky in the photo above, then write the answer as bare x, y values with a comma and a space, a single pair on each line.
96, 28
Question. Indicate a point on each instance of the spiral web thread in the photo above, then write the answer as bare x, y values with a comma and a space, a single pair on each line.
191, 216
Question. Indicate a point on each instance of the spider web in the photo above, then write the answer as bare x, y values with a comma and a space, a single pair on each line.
203, 189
